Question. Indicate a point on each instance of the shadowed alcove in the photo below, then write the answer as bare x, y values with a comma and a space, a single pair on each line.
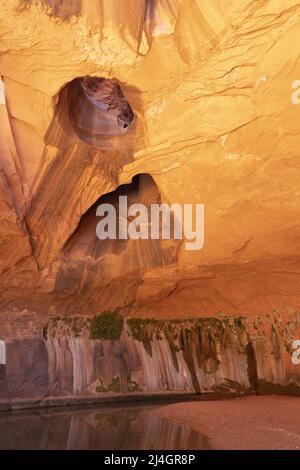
118, 255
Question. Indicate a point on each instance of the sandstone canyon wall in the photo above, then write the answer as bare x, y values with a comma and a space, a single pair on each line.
216, 125
80, 358
213, 86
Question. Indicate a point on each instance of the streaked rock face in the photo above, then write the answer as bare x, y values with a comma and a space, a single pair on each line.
210, 85
201, 355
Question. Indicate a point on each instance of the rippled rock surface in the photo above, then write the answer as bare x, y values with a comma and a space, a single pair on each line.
216, 122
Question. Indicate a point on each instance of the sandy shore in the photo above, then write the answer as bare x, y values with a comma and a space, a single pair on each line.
266, 422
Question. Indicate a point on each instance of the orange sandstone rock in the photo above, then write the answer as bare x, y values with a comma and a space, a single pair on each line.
211, 85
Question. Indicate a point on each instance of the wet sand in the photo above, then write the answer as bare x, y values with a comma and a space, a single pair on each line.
265, 422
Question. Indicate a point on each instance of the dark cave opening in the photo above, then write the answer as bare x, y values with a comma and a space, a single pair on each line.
135, 254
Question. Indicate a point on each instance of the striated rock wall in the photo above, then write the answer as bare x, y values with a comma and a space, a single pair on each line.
75, 359
210, 83
154, 358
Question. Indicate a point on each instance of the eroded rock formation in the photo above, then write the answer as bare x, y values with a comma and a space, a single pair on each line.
213, 88
104, 356
210, 84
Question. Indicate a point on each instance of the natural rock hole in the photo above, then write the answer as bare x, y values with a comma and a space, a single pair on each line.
98, 107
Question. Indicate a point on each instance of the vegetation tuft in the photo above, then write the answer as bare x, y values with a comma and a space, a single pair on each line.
107, 325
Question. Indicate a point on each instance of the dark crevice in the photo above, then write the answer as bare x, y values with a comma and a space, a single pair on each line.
252, 365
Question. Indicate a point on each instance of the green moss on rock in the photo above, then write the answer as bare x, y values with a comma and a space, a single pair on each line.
264, 387
107, 325
142, 329
114, 386
132, 386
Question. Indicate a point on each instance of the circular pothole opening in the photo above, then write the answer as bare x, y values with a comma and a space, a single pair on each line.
99, 109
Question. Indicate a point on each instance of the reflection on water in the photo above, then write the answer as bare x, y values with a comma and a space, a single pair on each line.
108, 428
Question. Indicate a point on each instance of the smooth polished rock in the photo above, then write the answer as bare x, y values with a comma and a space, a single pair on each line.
213, 86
